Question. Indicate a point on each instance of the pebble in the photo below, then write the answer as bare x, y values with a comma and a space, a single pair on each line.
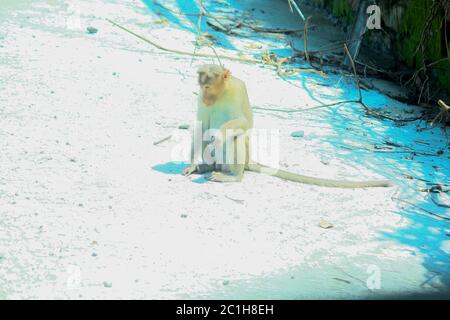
325, 224
107, 284
298, 134
91, 30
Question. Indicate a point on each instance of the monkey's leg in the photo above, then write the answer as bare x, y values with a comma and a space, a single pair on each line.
233, 168
203, 168
199, 169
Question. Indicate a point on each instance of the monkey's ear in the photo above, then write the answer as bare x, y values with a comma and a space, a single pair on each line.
226, 74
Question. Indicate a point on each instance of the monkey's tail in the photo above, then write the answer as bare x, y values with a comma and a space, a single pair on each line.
260, 168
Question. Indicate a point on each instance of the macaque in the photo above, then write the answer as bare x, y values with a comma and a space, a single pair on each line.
224, 112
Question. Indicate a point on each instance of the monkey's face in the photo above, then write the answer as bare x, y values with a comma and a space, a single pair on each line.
212, 85
211, 91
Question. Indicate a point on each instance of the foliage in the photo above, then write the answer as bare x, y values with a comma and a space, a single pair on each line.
343, 10
416, 19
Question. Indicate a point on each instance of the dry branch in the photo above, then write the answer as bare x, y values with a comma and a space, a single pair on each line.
204, 55
444, 113
425, 210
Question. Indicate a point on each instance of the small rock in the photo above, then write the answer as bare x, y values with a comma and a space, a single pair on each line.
325, 224
93, 254
183, 126
298, 134
184, 216
226, 282
107, 284
91, 30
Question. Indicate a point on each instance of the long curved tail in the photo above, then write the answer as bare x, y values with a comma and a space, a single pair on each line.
256, 167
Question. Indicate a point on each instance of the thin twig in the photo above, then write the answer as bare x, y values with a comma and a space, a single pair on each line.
204, 55
162, 140
297, 8
360, 100
425, 210
305, 39
270, 30
206, 13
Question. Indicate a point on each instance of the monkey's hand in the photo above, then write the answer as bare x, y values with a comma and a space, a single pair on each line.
189, 170
234, 128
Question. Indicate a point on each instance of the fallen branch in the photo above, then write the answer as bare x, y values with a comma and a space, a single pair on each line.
206, 13
228, 29
162, 140
444, 112
360, 100
442, 205
270, 30
203, 55
303, 110
435, 189
425, 210
305, 39
292, 2
410, 177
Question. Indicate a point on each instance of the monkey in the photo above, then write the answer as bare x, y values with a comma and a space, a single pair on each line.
223, 106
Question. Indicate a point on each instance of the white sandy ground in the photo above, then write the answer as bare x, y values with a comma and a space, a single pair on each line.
89, 208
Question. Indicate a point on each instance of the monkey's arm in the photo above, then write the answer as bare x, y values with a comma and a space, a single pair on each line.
234, 127
196, 167
239, 110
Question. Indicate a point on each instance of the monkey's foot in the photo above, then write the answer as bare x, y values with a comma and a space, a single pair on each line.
189, 170
220, 177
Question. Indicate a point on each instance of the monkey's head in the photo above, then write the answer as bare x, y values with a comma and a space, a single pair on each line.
212, 79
